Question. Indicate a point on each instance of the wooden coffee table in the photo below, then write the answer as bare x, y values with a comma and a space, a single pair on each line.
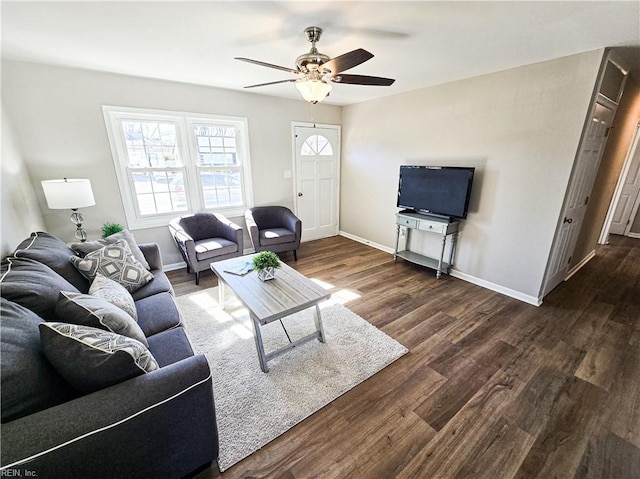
269, 301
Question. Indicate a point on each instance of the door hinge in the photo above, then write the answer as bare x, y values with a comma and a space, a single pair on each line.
586, 200
570, 258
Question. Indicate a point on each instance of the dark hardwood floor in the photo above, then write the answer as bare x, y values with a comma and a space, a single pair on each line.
492, 387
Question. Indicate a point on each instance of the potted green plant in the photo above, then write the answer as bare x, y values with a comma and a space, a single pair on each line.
266, 263
111, 228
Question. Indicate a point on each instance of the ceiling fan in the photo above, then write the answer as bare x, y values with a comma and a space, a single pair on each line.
315, 72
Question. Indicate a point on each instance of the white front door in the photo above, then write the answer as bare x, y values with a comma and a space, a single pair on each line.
580, 187
628, 200
317, 160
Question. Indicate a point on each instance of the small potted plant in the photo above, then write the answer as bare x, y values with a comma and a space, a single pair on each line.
266, 263
111, 228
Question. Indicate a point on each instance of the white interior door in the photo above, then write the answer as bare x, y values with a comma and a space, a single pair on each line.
627, 201
317, 157
577, 198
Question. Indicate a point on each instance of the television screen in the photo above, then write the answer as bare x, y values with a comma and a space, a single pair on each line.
438, 190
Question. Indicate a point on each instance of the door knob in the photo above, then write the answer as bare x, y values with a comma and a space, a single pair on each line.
299, 194
568, 220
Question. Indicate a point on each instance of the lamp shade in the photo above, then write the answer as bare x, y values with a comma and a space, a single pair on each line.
313, 90
68, 193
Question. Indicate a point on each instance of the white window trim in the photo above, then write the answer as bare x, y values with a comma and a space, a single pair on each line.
184, 121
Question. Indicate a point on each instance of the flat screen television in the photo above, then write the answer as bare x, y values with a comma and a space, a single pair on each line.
437, 190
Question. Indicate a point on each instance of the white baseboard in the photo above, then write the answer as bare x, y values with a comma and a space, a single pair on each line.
173, 266
459, 274
367, 242
497, 288
634, 235
579, 266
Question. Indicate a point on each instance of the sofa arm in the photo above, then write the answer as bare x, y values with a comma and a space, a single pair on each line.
151, 252
160, 424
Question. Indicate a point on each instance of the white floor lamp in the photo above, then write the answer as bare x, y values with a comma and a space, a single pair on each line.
70, 193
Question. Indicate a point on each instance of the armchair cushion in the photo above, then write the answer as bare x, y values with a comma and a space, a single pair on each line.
276, 236
210, 248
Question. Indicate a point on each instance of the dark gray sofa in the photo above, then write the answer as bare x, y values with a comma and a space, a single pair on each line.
158, 424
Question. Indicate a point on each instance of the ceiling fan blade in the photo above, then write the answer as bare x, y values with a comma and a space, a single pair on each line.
273, 83
363, 80
269, 65
348, 60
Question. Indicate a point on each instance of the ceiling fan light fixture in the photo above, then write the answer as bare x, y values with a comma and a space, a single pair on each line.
313, 91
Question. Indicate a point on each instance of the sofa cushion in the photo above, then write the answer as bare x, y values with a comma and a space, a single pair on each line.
116, 262
276, 236
32, 285
29, 382
51, 251
91, 359
160, 284
90, 246
87, 310
107, 289
212, 247
157, 313
169, 347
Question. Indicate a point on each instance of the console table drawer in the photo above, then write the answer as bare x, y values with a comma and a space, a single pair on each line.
432, 226
408, 222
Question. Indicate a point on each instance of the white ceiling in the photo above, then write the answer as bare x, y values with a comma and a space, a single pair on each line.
420, 43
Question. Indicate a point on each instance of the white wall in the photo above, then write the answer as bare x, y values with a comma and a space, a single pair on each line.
520, 128
20, 214
57, 114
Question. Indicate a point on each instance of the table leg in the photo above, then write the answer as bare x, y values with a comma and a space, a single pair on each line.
318, 320
262, 357
221, 293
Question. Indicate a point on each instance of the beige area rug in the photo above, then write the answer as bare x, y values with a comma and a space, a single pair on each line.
252, 407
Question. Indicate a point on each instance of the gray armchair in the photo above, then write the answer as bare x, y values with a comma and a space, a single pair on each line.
274, 228
203, 238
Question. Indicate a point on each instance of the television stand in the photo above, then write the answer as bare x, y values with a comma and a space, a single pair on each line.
446, 228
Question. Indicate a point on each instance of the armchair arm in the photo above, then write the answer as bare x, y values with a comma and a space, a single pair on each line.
185, 244
151, 252
127, 430
254, 233
231, 231
294, 224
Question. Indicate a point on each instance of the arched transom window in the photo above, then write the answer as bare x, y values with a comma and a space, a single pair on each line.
316, 145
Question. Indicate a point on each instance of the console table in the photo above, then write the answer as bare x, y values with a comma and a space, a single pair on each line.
409, 221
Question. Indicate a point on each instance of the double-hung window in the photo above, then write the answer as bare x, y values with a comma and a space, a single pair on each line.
170, 163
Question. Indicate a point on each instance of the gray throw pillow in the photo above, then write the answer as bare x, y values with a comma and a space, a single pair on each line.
116, 262
28, 381
116, 294
90, 359
49, 250
90, 246
88, 310
33, 285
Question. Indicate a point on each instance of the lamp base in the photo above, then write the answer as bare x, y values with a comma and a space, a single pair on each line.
77, 219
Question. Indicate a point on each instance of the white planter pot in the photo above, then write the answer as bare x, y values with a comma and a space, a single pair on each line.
267, 273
